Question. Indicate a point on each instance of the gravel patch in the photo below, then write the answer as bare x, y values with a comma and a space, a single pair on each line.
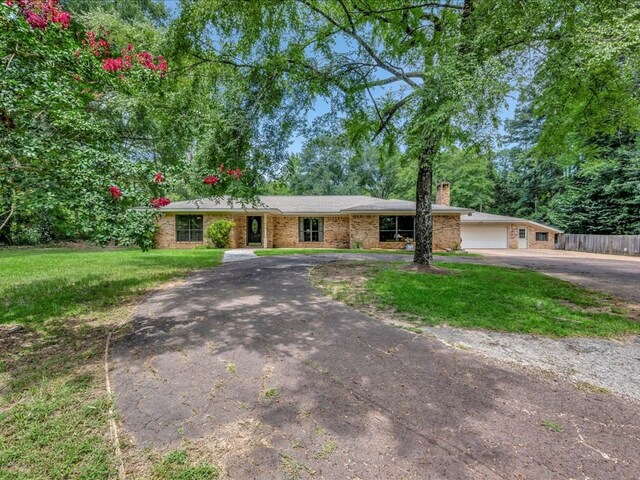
610, 364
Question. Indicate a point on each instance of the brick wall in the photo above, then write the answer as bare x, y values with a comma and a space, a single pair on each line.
269, 222
446, 232
239, 232
364, 229
339, 232
531, 232
540, 244
166, 234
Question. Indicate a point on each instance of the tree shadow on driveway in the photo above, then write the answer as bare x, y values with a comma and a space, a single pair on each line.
275, 380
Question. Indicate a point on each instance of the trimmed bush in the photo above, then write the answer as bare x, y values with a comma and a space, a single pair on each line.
218, 233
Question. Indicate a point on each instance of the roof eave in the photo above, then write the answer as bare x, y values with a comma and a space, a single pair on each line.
529, 222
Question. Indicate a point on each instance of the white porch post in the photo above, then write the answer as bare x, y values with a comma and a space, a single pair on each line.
264, 231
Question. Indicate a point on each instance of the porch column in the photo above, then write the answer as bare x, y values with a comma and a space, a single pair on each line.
265, 242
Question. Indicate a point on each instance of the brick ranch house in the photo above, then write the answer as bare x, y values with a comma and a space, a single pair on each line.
344, 222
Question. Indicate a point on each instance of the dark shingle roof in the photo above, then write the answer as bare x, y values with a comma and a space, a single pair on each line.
307, 204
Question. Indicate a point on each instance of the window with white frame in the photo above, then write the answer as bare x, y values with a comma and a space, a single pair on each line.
311, 229
189, 228
397, 228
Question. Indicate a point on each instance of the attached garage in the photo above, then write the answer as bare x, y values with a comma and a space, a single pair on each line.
484, 236
488, 230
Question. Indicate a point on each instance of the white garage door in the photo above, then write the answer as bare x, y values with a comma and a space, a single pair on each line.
483, 236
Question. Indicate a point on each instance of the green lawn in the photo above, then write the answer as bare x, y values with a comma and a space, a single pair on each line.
313, 251
41, 284
58, 306
487, 297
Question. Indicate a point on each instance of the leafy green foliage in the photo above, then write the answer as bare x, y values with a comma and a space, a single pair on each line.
219, 233
138, 228
595, 192
61, 145
601, 195
471, 175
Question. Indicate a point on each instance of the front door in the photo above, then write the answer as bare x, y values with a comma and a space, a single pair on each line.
254, 230
523, 240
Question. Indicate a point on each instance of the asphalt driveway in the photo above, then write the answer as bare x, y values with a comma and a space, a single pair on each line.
612, 274
251, 365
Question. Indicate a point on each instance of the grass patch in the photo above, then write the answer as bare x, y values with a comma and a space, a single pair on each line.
327, 449
315, 251
551, 425
176, 466
270, 393
41, 284
58, 306
478, 296
292, 468
590, 387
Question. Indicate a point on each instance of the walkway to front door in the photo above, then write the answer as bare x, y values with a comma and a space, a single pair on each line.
238, 254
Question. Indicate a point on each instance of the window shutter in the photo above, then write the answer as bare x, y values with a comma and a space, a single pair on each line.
301, 229
321, 229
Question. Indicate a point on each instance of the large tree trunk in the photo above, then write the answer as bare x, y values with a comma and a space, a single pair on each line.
424, 220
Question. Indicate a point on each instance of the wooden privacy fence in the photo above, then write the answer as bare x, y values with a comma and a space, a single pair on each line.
611, 244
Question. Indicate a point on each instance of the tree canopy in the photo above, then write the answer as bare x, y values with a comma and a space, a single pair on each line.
99, 98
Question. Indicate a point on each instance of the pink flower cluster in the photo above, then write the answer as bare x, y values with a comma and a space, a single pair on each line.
40, 13
159, 202
100, 47
235, 173
146, 60
115, 192
158, 177
126, 61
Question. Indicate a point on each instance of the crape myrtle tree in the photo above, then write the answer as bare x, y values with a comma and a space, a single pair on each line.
59, 150
417, 75
75, 122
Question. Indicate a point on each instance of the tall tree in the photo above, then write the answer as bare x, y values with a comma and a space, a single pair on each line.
471, 175
419, 74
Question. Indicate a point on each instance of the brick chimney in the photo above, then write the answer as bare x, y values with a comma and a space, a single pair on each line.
443, 194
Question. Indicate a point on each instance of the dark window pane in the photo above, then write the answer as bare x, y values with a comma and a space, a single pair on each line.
542, 236
386, 236
182, 222
405, 223
388, 223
